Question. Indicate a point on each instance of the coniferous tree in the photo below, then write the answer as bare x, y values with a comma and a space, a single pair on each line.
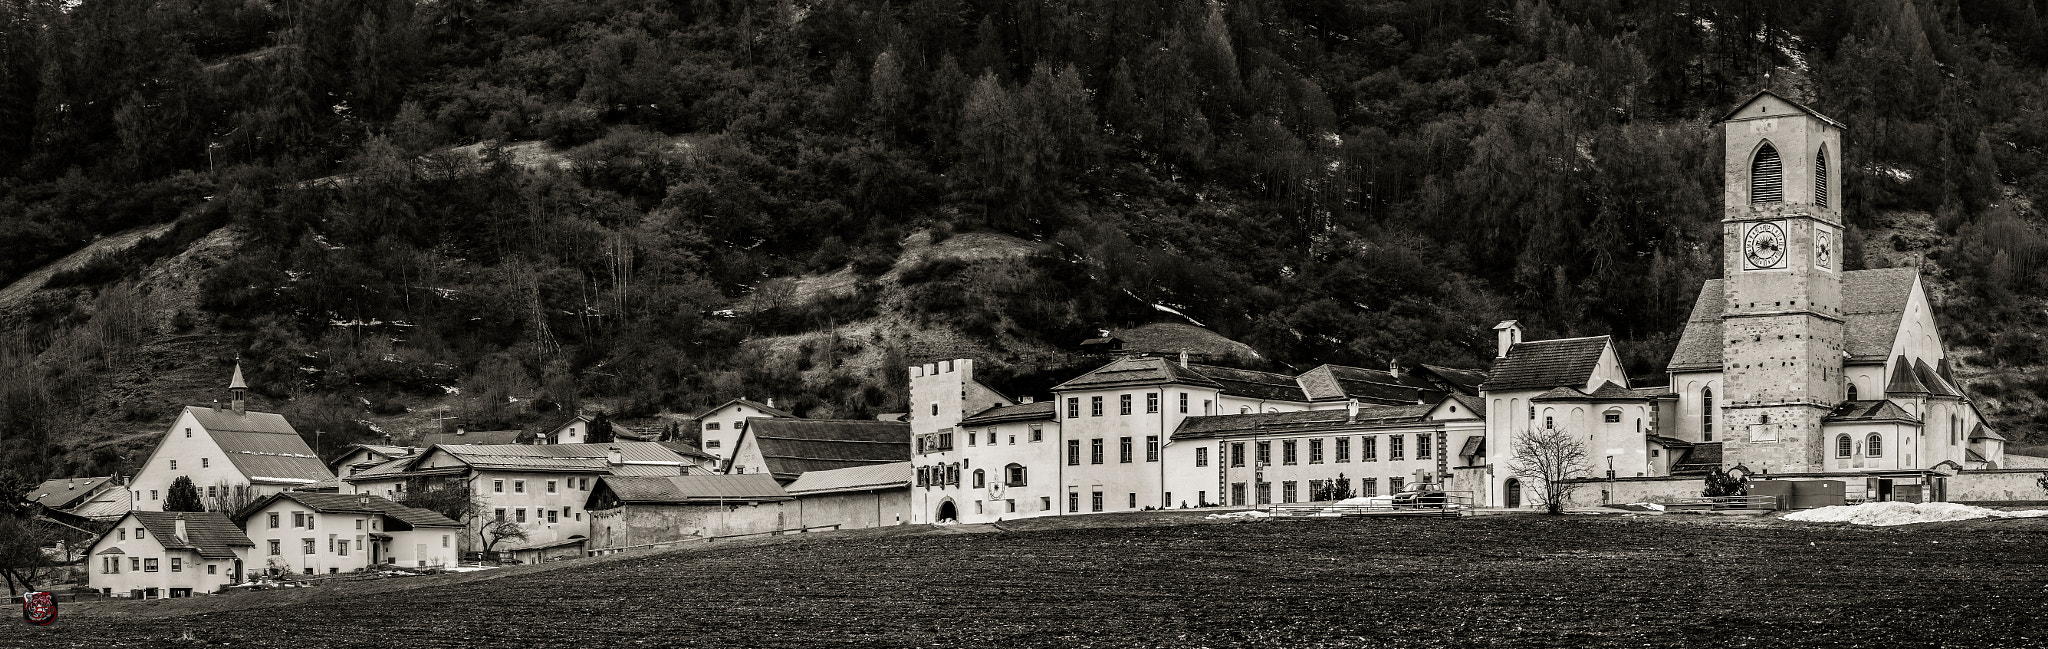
183, 496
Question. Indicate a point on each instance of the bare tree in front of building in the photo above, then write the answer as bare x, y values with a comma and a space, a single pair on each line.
495, 530
230, 498
1550, 458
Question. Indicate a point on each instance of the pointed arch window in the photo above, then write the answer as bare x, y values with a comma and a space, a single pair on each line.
1873, 446
1766, 176
1842, 446
1707, 415
1852, 392
1820, 178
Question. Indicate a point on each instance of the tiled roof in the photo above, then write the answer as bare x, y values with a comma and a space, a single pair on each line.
1474, 445
1339, 382
859, 478
1796, 105
1544, 364
1699, 458
692, 488
793, 447
1905, 380
1022, 412
1873, 410
64, 493
339, 503
761, 407
1928, 377
641, 458
1253, 383
1984, 432
686, 450
470, 437
271, 457
211, 533
1972, 455
1873, 303
107, 505
1136, 370
1607, 391
1298, 421
1469, 380
223, 419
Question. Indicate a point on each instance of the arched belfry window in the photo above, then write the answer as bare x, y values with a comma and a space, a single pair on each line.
1820, 178
1766, 176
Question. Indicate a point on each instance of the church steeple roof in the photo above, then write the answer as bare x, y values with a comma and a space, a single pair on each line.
237, 383
1905, 380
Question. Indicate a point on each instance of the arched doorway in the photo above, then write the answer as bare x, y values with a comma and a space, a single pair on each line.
1511, 493
947, 512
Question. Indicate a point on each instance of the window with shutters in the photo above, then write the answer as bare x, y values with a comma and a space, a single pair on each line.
1766, 176
1820, 177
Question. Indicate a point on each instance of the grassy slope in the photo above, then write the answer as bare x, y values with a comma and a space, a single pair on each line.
1501, 581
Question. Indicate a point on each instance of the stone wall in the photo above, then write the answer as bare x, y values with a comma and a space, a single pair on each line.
853, 510
1997, 485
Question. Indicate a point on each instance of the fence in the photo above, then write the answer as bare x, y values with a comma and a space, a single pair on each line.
1450, 504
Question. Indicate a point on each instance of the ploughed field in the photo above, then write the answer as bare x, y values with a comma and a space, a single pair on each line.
1177, 581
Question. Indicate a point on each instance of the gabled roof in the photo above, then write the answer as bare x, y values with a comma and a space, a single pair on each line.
1136, 370
1252, 383
210, 533
1795, 105
1341, 382
1984, 432
686, 450
65, 493
107, 505
1544, 364
672, 490
1905, 380
272, 458
639, 458
1298, 421
1699, 459
1042, 410
1467, 381
1870, 411
377, 453
873, 477
339, 503
763, 408
248, 421
470, 437
793, 447
1873, 305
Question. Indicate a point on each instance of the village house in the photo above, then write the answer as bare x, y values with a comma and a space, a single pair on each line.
873, 495
71, 495
628, 512
719, 428
1322, 455
364, 456
540, 488
231, 454
321, 533
152, 554
788, 448
463, 435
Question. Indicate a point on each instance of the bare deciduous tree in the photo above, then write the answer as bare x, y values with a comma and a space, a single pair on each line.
230, 498
1549, 458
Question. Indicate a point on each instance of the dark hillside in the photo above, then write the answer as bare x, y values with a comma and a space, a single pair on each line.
495, 210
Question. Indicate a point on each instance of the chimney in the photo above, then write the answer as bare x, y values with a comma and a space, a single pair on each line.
70, 484
216, 405
771, 402
1351, 408
1394, 367
1183, 359
1027, 399
178, 527
1510, 333
614, 457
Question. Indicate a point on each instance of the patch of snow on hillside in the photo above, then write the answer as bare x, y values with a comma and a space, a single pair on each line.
1246, 514
1885, 514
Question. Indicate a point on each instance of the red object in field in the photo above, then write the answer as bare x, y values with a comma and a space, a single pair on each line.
39, 608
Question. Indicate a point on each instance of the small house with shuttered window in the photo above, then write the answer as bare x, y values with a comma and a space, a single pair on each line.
152, 555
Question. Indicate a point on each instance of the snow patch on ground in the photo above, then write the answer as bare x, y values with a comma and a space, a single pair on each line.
468, 568
1649, 506
1885, 514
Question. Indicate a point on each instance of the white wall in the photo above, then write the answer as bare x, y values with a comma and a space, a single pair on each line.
192, 571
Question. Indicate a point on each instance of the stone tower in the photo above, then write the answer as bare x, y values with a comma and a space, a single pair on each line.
1782, 325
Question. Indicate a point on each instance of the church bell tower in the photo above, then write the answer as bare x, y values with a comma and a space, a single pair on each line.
1782, 322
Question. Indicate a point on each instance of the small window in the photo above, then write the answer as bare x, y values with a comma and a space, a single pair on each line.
980, 480
1073, 452
551, 516
1873, 446
1123, 404
1096, 503
1612, 417
124, 531
1095, 406
1151, 402
1183, 403
1852, 392
1315, 451
149, 565
498, 486
1394, 447
551, 486
1095, 451
1843, 447
205, 462
276, 547
1151, 448
1015, 475
174, 465
1124, 450
711, 426
1287, 454
1073, 407
188, 433
519, 515
1201, 456
711, 443
1422, 447
518, 486
1037, 433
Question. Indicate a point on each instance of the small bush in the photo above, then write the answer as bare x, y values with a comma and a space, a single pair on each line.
935, 268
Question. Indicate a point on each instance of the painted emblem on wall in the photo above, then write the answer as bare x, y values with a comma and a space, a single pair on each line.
1824, 248
1763, 247
39, 608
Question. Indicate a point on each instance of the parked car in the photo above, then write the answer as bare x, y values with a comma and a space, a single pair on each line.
1421, 494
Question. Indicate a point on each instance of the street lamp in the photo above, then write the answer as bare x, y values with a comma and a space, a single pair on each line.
1610, 479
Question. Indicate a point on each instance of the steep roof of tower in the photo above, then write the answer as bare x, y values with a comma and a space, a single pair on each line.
1905, 380
1796, 105
1543, 364
1935, 384
1873, 305
1985, 432
237, 383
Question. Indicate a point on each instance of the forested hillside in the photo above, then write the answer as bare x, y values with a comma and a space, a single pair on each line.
1327, 181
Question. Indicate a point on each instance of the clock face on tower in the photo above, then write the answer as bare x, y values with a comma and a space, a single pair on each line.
1823, 249
1763, 247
